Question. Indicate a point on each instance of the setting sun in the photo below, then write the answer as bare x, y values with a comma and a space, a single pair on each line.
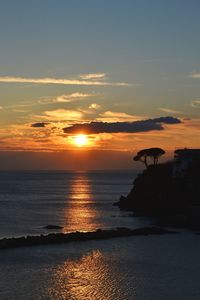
81, 140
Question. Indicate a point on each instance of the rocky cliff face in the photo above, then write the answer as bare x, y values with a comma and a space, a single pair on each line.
158, 191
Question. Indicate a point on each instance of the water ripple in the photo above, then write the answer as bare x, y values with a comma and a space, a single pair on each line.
94, 276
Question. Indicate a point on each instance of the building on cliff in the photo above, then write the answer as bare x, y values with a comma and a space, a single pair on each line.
183, 159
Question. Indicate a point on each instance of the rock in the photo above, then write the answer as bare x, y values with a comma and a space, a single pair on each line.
58, 238
51, 227
122, 200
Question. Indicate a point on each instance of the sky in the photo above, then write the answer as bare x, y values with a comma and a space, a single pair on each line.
111, 70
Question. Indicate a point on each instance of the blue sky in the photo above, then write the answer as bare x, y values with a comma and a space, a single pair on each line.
152, 46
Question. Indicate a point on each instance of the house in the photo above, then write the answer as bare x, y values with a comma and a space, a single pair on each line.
183, 159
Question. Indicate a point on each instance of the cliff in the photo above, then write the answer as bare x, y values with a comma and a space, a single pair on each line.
167, 190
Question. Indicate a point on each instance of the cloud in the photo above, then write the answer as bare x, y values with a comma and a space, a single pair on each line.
62, 81
195, 75
122, 127
39, 124
65, 98
63, 114
111, 116
170, 111
20, 110
167, 120
72, 97
196, 103
93, 76
94, 106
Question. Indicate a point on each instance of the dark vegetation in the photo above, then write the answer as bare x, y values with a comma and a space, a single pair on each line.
152, 153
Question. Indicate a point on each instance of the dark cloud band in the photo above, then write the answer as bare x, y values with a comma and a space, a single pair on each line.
126, 127
39, 125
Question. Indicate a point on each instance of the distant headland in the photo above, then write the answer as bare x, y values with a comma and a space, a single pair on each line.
168, 191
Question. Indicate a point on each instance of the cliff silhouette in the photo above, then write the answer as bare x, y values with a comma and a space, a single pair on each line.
169, 191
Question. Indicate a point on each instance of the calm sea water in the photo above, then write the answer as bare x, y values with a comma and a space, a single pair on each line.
132, 268
75, 200
136, 268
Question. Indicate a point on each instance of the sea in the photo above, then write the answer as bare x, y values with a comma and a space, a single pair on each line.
75, 201
158, 267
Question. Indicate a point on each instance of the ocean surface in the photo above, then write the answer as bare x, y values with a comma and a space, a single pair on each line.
165, 267
132, 268
81, 201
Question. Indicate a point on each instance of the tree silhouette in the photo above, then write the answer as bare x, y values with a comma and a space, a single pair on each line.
142, 158
153, 153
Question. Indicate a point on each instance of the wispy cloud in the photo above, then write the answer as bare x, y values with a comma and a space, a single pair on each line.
195, 103
111, 116
94, 106
62, 81
63, 114
72, 97
65, 98
20, 110
195, 75
93, 76
57, 116
170, 111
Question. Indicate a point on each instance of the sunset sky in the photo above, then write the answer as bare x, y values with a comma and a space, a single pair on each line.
67, 63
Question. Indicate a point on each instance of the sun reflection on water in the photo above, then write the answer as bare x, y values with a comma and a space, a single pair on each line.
81, 213
93, 276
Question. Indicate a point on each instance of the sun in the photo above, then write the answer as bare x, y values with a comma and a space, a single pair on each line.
81, 140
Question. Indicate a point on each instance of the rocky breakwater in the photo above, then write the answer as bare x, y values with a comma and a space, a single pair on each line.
60, 238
